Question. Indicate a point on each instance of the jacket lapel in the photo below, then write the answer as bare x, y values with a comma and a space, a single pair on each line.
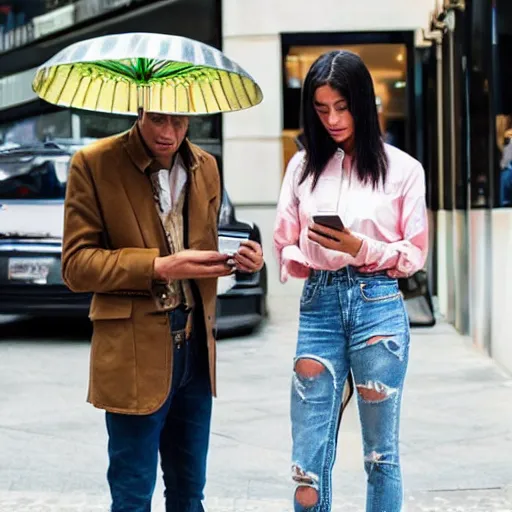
140, 193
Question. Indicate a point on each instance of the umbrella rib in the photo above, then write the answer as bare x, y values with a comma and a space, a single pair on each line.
113, 97
214, 95
87, 90
116, 67
50, 83
98, 98
164, 71
189, 97
231, 82
76, 91
223, 90
245, 90
204, 98
64, 85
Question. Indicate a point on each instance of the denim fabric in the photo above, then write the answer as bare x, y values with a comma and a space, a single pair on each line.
179, 430
349, 322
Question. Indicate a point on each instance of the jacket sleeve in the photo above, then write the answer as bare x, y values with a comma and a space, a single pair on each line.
404, 257
287, 228
87, 265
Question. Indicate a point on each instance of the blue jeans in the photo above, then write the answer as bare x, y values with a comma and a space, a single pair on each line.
179, 430
350, 323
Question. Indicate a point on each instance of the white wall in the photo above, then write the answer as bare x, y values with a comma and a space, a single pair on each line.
499, 277
252, 37
267, 17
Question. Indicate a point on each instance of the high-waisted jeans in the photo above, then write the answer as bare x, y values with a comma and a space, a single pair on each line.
352, 325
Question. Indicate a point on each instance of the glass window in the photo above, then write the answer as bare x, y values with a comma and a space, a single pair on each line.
36, 173
94, 125
97, 125
37, 129
502, 46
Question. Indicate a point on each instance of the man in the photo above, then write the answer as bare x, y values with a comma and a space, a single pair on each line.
140, 231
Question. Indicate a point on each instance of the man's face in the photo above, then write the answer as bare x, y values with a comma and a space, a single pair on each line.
163, 134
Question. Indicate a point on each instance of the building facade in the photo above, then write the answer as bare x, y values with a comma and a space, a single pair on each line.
443, 85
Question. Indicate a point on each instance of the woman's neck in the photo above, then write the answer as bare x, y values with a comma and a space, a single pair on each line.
348, 147
348, 160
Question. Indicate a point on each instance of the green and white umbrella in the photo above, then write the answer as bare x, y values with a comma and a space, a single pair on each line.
120, 74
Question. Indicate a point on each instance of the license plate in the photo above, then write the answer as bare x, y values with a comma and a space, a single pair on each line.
34, 270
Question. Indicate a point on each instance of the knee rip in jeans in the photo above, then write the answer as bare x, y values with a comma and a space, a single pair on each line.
375, 392
306, 494
311, 369
380, 458
373, 457
388, 342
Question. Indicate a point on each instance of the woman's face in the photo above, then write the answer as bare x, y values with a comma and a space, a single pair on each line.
332, 109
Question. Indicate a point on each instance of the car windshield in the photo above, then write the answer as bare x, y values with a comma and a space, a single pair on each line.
34, 172
39, 171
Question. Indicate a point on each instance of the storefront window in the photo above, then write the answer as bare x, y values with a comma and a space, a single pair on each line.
16, 26
502, 46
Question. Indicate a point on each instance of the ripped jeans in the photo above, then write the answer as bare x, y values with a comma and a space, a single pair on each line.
349, 323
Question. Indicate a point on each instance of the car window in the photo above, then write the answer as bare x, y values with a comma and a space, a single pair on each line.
36, 175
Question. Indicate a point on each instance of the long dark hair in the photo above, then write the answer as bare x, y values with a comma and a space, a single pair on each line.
346, 73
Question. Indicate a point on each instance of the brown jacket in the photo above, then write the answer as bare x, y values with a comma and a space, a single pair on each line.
112, 235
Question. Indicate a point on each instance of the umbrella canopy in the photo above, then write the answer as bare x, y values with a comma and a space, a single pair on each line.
159, 73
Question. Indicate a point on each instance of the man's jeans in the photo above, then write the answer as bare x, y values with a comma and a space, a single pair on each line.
180, 431
349, 322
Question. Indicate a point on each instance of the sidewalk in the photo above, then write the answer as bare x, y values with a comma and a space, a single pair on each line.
456, 428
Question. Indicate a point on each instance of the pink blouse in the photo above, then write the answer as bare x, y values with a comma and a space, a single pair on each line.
391, 221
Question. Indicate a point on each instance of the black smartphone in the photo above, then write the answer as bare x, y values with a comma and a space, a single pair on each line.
329, 221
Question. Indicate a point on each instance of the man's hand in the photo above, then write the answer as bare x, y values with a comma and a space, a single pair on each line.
191, 264
342, 241
249, 257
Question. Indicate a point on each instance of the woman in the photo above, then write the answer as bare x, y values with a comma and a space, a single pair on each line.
352, 315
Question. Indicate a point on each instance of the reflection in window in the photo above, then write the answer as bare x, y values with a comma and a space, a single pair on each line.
97, 125
505, 175
94, 125
35, 130
503, 97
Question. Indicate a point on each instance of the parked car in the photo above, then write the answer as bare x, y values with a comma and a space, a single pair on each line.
32, 189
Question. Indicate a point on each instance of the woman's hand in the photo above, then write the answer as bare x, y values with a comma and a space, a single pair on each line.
342, 241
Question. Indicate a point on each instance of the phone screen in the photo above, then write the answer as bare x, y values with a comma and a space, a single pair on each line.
330, 221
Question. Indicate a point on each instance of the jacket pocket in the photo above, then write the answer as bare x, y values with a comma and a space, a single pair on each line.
110, 307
